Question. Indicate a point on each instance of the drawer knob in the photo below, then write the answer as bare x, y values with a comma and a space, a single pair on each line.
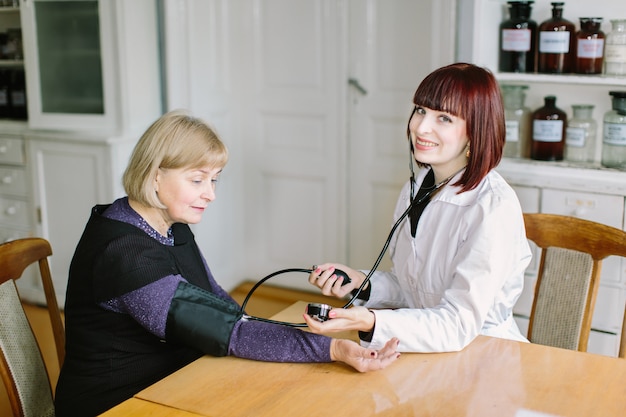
7, 180
3, 149
11, 210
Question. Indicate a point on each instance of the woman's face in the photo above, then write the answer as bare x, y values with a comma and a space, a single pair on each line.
439, 140
186, 192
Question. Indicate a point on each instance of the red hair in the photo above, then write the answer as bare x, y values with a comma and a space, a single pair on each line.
473, 94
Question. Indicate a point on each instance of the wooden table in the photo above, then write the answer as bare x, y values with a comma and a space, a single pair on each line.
491, 377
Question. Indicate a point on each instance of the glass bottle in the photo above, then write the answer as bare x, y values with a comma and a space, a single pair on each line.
580, 135
589, 46
557, 38
18, 94
614, 133
615, 49
517, 118
517, 39
4, 94
548, 131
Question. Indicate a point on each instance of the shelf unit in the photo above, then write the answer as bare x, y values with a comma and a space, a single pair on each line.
585, 190
93, 78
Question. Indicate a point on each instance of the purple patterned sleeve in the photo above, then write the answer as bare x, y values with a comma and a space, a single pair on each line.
148, 305
274, 343
256, 340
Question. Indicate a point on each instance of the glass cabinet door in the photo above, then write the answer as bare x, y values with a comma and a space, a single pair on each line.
66, 59
68, 47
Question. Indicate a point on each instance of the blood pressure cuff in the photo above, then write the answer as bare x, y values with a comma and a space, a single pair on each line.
200, 319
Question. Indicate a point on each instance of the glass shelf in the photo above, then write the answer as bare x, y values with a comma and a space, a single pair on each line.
11, 63
9, 9
562, 78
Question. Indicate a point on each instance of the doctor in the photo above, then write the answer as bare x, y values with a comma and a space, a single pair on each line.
460, 255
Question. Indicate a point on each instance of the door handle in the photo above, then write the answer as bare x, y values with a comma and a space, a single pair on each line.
356, 84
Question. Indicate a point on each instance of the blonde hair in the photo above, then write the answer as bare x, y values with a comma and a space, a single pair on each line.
175, 140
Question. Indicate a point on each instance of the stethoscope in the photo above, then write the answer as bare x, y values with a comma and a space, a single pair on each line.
355, 294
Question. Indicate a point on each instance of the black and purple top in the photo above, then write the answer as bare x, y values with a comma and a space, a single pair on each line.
123, 279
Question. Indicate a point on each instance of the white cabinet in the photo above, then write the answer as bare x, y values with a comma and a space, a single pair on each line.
478, 43
15, 219
582, 190
597, 195
93, 86
70, 175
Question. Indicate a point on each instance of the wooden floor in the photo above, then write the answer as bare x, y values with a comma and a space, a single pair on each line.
265, 302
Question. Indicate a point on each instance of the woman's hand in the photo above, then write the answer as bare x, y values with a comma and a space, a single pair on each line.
363, 359
343, 319
324, 277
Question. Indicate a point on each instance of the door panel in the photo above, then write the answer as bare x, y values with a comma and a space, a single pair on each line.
393, 45
273, 76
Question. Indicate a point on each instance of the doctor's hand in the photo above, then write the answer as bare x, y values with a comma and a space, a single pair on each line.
324, 277
364, 359
342, 319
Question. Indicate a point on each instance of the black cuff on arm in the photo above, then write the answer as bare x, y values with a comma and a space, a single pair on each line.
200, 319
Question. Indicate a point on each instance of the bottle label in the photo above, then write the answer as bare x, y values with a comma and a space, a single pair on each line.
516, 40
547, 130
590, 48
554, 42
615, 53
575, 136
614, 134
512, 131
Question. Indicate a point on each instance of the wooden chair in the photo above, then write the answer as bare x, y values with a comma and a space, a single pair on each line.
21, 363
572, 251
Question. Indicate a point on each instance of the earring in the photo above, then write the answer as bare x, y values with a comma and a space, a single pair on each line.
467, 152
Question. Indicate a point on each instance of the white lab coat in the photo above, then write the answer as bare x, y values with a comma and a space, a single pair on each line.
460, 276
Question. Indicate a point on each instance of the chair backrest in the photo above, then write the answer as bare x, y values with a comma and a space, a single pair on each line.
22, 366
572, 251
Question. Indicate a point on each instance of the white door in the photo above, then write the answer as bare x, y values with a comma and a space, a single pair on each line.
314, 163
393, 45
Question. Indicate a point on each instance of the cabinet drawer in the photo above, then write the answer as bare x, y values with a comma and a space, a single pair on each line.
528, 198
602, 208
13, 181
9, 233
11, 151
14, 212
607, 209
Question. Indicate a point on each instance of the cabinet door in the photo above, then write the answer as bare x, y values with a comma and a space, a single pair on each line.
68, 180
91, 65
65, 65
529, 198
602, 208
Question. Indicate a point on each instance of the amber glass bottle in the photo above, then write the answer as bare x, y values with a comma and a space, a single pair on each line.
518, 39
589, 46
548, 131
557, 41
